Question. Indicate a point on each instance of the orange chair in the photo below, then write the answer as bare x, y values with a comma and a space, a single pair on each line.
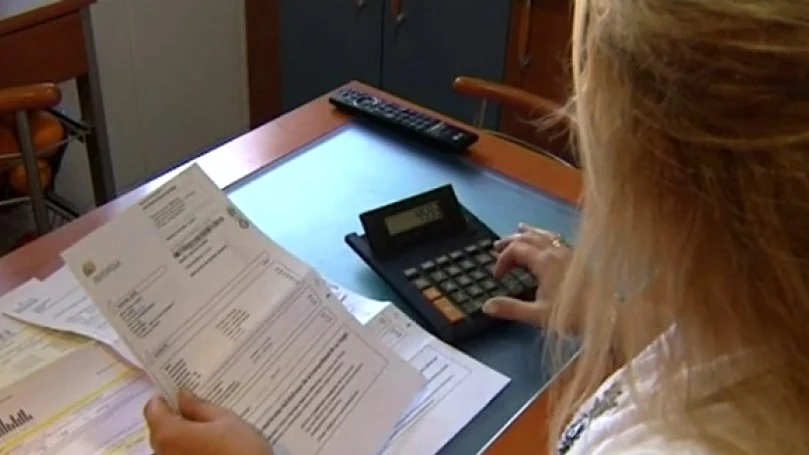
29, 137
553, 125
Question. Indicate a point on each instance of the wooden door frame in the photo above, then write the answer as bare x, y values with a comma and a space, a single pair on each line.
263, 59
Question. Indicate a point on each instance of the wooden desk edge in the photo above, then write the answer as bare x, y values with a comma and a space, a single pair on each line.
44, 13
273, 141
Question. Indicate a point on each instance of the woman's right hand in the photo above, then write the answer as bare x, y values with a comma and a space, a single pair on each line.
540, 252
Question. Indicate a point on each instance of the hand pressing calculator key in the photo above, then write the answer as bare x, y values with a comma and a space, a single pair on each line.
438, 256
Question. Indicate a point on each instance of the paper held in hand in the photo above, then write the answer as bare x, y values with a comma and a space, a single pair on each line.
207, 302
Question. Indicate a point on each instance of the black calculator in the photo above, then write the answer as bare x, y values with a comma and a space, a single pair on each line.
438, 257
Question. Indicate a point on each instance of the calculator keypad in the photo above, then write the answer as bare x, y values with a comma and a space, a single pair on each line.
459, 283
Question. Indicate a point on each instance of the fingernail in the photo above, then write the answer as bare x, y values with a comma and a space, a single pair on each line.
490, 307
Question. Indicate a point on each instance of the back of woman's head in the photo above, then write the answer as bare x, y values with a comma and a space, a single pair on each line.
693, 129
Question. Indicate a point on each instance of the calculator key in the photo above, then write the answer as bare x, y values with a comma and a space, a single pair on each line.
449, 286
471, 249
485, 244
499, 291
421, 283
525, 278
431, 293
450, 311
513, 286
428, 265
488, 285
455, 255
478, 275
474, 306
491, 268
441, 260
459, 297
484, 258
453, 270
464, 280
474, 291
438, 276
466, 264
411, 273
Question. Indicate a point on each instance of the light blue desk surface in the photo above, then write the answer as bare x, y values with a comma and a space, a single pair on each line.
310, 200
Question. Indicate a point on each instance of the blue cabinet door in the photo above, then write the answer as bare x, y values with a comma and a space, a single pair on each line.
427, 43
326, 43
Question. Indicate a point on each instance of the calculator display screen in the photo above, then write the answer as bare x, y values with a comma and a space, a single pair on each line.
414, 218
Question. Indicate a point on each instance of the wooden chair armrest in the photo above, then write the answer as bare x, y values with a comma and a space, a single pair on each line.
29, 97
505, 95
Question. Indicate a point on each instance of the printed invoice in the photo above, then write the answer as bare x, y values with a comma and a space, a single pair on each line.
207, 302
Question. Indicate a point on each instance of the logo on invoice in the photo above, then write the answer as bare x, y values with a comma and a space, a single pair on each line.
88, 268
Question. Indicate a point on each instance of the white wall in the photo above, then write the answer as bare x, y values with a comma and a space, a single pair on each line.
174, 79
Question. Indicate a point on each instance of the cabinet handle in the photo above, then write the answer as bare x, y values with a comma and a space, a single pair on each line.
360, 3
396, 7
524, 36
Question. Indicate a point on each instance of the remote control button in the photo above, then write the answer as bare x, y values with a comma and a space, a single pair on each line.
471, 249
441, 260
453, 270
463, 280
421, 283
449, 286
431, 293
478, 274
428, 265
411, 273
438, 276
466, 264
455, 255
459, 297
484, 258
450, 311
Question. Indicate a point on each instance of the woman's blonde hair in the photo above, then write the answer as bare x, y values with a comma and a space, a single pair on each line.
692, 124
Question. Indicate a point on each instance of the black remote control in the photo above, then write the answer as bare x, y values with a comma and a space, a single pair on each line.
405, 120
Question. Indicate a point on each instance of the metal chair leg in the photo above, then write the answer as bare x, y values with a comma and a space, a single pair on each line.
29, 160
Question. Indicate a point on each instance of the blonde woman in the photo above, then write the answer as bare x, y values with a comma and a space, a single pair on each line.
692, 259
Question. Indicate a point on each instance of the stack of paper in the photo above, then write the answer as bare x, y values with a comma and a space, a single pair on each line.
198, 298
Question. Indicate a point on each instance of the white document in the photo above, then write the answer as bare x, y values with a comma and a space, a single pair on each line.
459, 386
85, 403
207, 302
25, 349
63, 305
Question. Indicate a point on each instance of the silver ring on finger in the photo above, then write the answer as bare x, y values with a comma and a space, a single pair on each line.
558, 241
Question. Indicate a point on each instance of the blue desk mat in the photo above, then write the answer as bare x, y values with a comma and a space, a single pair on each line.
311, 199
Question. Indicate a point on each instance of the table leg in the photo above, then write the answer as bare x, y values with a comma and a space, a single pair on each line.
35, 192
92, 110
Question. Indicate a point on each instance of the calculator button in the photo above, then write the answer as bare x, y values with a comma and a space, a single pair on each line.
455, 255
485, 244
466, 264
498, 292
411, 273
474, 291
438, 276
450, 311
449, 286
459, 297
431, 293
512, 285
483, 258
491, 268
421, 283
478, 275
471, 249
474, 306
525, 278
488, 285
441, 260
464, 280
453, 270
428, 265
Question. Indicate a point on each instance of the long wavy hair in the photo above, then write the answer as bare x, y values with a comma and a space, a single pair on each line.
692, 126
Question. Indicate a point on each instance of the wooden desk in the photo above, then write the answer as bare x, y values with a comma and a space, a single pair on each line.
52, 41
254, 150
